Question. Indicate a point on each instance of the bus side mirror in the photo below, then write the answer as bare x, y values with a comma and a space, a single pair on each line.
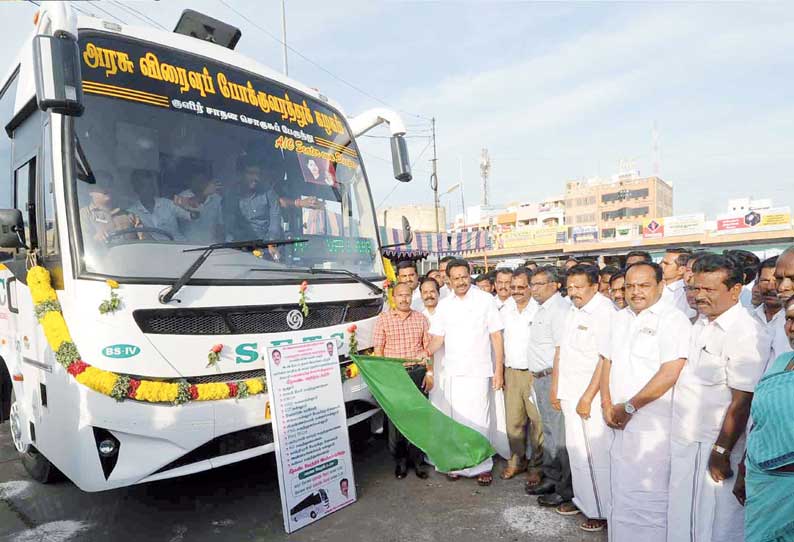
12, 229
56, 60
399, 159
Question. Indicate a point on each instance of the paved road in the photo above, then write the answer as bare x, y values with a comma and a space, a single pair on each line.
241, 503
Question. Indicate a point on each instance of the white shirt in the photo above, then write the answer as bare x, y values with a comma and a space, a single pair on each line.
163, 217
438, 357
585, 337
777, 332
202, 229
443, 292
640, 344
746, 297
416, 301
728, 353
517, 329
547, 327
502, 304
466, 325
675, 294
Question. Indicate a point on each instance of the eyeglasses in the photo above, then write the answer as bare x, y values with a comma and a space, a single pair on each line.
538, 284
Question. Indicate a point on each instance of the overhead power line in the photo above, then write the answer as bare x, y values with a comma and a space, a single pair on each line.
315, 64
106, 12
137, 14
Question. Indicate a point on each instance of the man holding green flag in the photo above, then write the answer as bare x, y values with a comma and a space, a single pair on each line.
402, 333
469, 327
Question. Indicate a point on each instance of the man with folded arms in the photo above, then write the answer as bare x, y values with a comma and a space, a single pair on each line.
647, 350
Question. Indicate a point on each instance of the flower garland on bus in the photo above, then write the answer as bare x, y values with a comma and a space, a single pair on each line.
390, 282
120, 387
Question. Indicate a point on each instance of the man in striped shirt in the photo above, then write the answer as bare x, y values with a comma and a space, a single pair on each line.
404, 333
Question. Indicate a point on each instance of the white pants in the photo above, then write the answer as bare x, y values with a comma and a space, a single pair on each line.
640, 465
469, 402
700, 509
588, 443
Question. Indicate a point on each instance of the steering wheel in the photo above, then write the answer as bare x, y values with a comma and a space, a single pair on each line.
142, 229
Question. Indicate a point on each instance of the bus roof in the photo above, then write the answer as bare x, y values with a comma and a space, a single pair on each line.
26, 90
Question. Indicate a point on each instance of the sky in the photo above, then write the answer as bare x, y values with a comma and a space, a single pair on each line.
554, 91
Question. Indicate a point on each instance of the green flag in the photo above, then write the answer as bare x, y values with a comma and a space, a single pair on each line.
448, 444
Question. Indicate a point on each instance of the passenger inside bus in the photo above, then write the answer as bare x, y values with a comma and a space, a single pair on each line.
101, 218
202, 197
251, 206
156, 212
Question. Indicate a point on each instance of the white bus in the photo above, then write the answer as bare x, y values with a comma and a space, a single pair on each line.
188, 191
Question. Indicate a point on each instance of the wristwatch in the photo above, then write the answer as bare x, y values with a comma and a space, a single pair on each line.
720, 450
629, 408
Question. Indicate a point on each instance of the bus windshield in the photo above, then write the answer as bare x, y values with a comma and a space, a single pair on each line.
175, 151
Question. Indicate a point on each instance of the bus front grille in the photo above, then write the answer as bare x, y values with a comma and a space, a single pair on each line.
225, 377
251, 319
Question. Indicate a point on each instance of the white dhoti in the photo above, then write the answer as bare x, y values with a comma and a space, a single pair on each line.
700, 509
640, 471
588, 443
438, 395
498, 434
469, 402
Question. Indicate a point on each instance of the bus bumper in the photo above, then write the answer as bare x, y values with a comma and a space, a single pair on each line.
156, 442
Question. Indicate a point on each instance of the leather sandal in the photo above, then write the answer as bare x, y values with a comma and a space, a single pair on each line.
511, 472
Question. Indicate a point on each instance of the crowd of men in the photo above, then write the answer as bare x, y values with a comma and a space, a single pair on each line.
626, 391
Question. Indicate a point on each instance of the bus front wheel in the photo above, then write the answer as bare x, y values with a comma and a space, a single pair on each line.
39, 467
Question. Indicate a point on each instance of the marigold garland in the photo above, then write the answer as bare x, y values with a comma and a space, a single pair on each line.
120, 387
391, 280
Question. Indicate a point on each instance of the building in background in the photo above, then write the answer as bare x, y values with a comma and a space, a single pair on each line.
421, 217
615, 208
740, 205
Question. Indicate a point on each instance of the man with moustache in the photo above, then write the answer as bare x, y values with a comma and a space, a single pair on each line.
606, 276
576, 378
503, 285
728, 350
522, 415
546, 331
403, 333
770, 312
784, 285
469, 326
429, 289
407, 273
647, 350
617, 291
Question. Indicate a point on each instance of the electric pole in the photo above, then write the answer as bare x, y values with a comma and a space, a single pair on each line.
434, 175
284, 34
485, 171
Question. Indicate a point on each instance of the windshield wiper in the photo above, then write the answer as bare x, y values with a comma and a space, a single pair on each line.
169, 294
314, 271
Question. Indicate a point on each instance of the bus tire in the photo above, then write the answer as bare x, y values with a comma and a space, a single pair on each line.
39, 467
5, 391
